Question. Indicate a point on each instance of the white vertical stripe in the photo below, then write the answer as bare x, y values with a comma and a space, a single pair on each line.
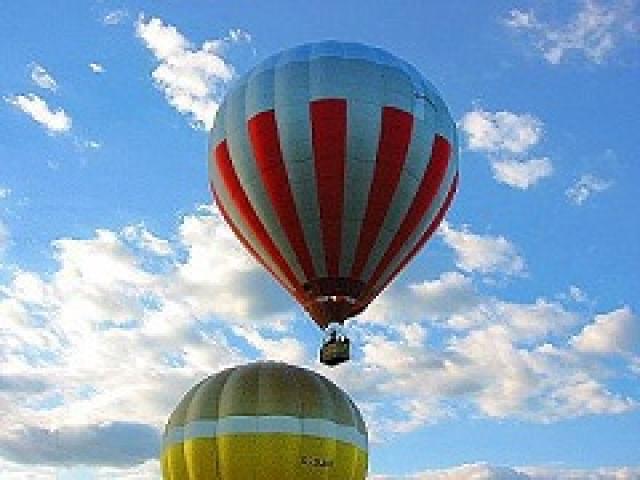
245, 166
242, 226
363, 132
417, 161
267, 424
424, 224
293, 118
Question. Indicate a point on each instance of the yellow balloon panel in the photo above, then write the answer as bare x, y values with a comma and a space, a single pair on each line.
278, 455
201, 457
173, 459
281, 456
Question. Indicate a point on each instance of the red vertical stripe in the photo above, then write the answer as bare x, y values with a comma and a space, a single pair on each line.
263, 133
429, 186
244, 207
329, 138
247, 245
393, 146
425, 236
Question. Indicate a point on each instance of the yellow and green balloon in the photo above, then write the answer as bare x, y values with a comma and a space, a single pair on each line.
265, 421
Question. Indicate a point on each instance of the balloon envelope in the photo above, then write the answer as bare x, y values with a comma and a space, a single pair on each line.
265, 421
333, 163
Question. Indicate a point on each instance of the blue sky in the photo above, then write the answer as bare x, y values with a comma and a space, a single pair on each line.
510, 348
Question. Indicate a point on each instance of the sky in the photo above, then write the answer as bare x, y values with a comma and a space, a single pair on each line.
508, 349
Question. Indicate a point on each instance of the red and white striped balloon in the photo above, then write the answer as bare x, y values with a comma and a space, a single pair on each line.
333, 163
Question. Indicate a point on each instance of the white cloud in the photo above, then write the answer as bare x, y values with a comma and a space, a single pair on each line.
522, 322
4, 192
603, 473
521, 174
474, 471
237, 35
452, 301
442, 345
586, 186
42, 78
127, 321
16, 471
538, 383
147, 240
521, 19
53, 121
150, 470
203, 281
614, 332
283, 349
482, 253
451, 293
81, 144
577, 294
594, 31
484, 370
115, 17
433, 300
27, 288
96, 67
501, 131
485, 471
121, 328
193, 80
506, 138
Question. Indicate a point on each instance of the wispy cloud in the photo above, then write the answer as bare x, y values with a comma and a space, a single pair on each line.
482, 253
614, 332
496, 358
192, 79
594, 31
522, 174
501, 131
521, 19
146, 240
507, 138
54, 122
92, 144
149, 470
96, 67
586, 186
577, 294
115, 17
42, 78
485, 471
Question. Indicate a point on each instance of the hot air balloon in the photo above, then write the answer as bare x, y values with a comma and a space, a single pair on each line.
333, 163
265, 421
